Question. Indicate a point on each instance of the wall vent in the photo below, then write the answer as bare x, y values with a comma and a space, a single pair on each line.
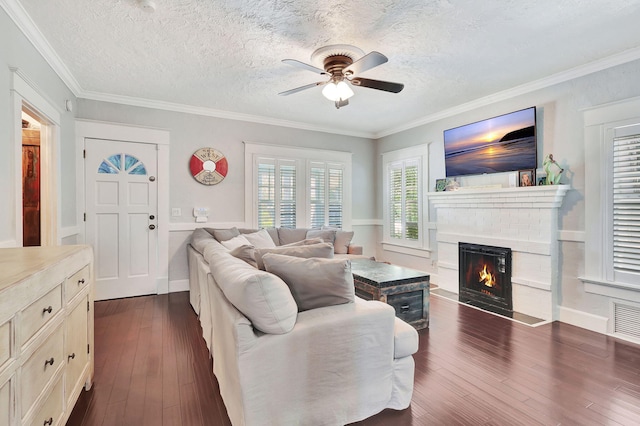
626, 321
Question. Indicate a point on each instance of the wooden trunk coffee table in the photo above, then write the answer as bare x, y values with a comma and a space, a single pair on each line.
407, 290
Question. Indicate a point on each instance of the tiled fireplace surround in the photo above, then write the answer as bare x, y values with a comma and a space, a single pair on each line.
523, 219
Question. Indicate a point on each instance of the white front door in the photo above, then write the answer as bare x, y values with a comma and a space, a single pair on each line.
121, 207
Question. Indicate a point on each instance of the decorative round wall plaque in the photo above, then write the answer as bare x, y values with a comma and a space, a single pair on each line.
208, 166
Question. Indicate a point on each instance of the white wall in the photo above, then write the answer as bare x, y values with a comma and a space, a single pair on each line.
17, 52
226, 200
560, 132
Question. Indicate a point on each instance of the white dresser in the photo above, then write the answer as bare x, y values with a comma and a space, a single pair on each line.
46, 332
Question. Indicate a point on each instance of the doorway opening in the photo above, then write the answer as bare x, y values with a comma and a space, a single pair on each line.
31, 160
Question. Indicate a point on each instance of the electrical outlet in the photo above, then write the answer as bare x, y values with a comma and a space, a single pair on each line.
176, 212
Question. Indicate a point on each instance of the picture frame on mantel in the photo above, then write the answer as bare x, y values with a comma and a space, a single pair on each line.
526, 177
441, 184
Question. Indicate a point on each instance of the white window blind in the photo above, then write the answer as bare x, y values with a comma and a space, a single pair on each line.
266, 195
288, 196
317, 196
411, 200
297, 187
326, 194
395, 200
336, 195
626, 204
276, 193
404, 215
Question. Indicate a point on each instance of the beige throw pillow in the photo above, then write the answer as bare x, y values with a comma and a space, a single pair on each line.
260, 239
291, 235
327, 235
342, 242
223, 234
324, 250
314, 283
236, 242
246, 253
306, 242
261, 297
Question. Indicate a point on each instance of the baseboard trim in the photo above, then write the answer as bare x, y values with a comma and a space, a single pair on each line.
8, 243
583, 319
178, 285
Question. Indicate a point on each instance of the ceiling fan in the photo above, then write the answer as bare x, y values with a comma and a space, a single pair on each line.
343, 64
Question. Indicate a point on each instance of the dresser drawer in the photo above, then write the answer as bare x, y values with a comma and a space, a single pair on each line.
75, 346
39, 313
5, 343
40, 368
76, 282
5, 403
50, 412
408, 306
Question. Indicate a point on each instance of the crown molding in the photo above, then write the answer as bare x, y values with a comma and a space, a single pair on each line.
210, 112
19, 15
24, 22
561, 77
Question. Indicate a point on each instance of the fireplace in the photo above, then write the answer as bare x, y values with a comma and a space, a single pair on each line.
485, 277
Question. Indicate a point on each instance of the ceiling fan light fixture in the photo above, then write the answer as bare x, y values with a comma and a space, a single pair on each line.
335, 92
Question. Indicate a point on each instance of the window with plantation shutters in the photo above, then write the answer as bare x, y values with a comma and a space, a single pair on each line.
326, 194
403, 200
395, 203
317, 199
287, 200
294, 187
266, 195
336, 196
403, 206
612, 200
276, 188
626, 204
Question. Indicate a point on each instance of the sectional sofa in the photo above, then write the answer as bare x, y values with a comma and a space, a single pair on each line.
295, 346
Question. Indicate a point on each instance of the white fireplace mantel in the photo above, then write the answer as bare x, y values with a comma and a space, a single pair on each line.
545, 196
523, 219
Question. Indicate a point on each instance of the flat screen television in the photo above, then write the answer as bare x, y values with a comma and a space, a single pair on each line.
500, 144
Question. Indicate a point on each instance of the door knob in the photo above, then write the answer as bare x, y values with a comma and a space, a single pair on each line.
152, 217
152, 227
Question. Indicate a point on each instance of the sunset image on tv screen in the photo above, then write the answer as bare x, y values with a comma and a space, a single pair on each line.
500, 144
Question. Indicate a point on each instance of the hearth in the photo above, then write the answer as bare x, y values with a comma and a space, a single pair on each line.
485, 277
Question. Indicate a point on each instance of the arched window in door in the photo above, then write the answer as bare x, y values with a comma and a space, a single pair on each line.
118, 163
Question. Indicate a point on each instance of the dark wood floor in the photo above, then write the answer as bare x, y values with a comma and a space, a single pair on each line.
472, 368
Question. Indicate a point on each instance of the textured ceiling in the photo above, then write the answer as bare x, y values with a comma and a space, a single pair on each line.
225, 55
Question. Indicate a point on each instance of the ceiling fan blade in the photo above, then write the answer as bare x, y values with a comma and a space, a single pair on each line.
302, 65
301, 88
387, 86
368, 61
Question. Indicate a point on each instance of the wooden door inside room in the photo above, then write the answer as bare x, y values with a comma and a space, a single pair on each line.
30, 185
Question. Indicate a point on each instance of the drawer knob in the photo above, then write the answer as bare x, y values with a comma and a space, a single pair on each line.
47, 310
81, 281
404, 308
49, 362
72, 356
48, 422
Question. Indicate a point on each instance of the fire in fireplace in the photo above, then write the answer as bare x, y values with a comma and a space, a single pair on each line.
485, 277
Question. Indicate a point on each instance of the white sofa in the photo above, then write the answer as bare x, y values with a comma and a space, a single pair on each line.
338, 364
